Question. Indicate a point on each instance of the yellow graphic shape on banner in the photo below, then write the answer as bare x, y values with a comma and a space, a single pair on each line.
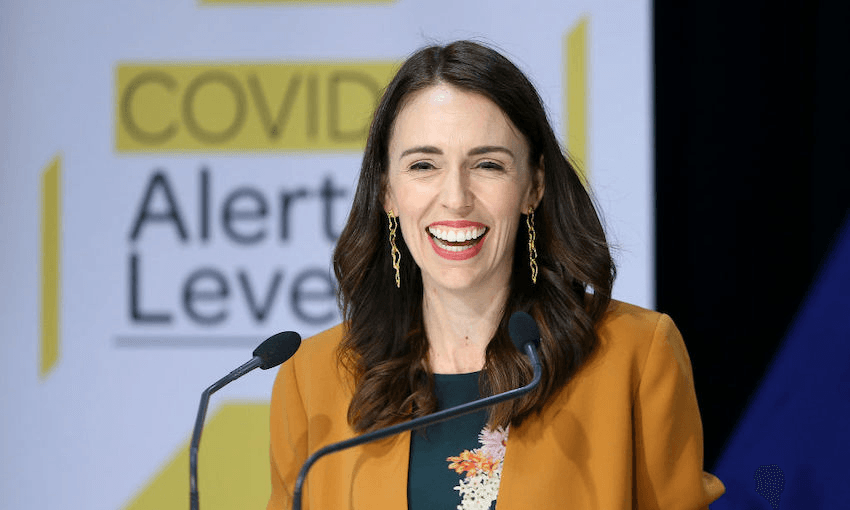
575, 78
51, 244
235, 107
233, 465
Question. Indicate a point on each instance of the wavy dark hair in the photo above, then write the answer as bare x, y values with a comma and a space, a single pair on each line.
384, 344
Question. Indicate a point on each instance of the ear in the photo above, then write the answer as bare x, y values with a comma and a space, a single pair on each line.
389, 200
535, 194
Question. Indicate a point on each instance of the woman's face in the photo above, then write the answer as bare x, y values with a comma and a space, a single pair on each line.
459, 179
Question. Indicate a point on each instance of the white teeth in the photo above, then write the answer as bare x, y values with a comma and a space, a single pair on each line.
456, 236
449, 247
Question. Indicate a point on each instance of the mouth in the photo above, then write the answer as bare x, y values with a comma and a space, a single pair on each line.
457, 240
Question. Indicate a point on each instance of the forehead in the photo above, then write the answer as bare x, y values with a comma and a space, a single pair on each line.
446, 115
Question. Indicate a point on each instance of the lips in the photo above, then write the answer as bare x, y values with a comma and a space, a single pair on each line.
457, 240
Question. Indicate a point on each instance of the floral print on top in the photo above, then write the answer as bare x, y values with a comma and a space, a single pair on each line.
482, 470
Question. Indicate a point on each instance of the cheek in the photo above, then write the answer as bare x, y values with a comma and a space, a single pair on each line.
403, 197
410, 207
510, 235
510, 223
410, 233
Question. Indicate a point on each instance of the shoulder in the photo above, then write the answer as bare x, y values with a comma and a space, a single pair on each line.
630, 326
631, 336
624, 318
314, 370
320, 348
644, 336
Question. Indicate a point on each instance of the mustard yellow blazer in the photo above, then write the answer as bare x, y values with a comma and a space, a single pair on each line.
624, 433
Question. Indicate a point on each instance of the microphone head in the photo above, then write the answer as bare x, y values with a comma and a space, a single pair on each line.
523, 329
277, 348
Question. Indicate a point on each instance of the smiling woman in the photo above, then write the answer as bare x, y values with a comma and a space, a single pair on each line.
459, 179
467, 211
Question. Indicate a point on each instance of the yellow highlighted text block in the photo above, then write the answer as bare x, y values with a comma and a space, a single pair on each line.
275, 106
51, 244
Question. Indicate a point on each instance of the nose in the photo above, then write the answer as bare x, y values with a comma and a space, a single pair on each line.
456, 194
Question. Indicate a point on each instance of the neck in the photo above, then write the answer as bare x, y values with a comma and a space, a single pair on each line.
459, 326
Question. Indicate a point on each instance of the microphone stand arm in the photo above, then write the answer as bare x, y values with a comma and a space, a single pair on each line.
199, 425
422, 421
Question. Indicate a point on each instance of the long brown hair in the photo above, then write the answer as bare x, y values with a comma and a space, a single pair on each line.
384, 346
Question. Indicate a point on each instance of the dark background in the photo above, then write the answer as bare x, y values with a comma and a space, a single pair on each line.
752, 180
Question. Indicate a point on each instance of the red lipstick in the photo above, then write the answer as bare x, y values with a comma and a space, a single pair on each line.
468, 251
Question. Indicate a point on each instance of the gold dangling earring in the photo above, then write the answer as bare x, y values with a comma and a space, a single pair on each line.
396, 255
532, 250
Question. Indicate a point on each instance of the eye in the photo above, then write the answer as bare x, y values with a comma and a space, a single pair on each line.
489, 165
421, 165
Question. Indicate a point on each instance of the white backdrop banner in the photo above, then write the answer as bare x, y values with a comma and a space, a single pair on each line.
174, 177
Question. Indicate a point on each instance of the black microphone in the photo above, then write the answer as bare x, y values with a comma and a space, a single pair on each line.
525, 336
271, 353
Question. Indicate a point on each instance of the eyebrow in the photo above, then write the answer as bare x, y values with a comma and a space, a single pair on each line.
423, 149
477, 151
490, 148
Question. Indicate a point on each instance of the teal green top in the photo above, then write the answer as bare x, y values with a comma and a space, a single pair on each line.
432, 476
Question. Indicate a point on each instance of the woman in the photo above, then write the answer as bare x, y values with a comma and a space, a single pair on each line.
466, 211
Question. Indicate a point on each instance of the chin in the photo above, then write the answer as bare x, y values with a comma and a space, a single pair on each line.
458, 280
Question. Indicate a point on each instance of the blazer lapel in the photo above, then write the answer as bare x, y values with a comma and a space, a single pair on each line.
380, 475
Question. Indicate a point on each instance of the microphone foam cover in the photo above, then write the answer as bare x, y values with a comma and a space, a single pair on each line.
277, 348
523, 329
